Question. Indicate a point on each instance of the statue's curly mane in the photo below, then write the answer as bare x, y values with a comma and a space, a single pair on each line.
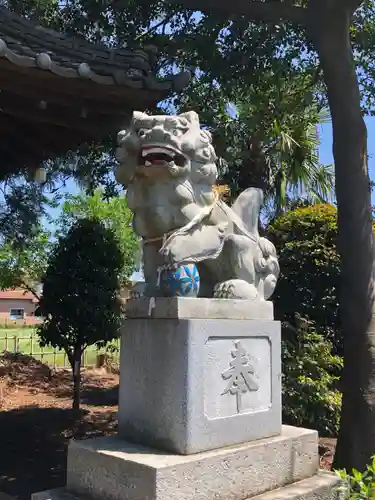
194, 183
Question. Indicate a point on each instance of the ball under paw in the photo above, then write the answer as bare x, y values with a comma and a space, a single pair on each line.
183, 281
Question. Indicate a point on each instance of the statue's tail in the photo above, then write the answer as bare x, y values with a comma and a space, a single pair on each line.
247, 207
244, 213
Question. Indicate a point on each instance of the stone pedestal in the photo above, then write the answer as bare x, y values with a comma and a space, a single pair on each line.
284, 467
194, 384
199, 414
136, 472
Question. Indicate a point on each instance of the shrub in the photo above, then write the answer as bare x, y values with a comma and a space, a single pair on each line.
358, 485
80, 302
305, 239
310, 375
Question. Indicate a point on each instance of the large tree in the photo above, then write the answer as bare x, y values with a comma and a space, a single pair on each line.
180, 38
327, 25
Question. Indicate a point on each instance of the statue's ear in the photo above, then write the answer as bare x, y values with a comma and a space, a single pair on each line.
191, 116
206, 135
120, 136
138, 115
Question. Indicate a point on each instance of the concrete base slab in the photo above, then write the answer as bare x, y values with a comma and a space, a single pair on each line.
112, 469
193, 308
322, 486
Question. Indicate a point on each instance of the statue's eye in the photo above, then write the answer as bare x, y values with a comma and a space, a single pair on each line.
142, 132
177, 132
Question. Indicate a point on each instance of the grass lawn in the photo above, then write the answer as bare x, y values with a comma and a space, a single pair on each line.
25, 340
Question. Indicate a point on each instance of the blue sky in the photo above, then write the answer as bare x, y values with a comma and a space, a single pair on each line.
325, 152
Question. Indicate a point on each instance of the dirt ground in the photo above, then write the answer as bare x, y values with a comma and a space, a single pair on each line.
36, 422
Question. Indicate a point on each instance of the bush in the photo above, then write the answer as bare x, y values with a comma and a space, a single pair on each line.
310, 375
305, 239
80, 302
358, 485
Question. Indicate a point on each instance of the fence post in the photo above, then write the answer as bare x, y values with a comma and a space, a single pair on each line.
6, 342
31, 344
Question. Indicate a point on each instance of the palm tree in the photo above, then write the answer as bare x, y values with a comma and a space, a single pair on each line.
266, 135
292, 159
274, 143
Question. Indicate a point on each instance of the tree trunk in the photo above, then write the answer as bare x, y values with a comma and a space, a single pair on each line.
76, 372
254, 171
329, 30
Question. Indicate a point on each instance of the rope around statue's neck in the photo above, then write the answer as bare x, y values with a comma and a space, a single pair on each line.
167, 237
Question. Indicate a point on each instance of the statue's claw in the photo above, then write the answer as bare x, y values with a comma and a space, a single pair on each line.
235, 289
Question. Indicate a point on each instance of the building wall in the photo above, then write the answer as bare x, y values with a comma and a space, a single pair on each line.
27, 305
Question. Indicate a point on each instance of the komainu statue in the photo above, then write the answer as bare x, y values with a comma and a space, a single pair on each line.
168, 166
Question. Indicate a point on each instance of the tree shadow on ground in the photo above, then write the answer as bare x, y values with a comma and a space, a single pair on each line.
33, 443
98, 396
92, 394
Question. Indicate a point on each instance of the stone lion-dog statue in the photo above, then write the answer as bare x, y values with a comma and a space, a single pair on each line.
167, 165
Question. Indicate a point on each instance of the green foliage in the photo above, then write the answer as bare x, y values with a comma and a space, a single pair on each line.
276, 65
363, 37
80, 300
358, 485
23, 266
305, 239
42, 11
80, 288
310, 376
114, 214
23, 203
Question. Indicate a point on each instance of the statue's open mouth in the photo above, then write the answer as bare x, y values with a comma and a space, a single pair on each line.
161, 156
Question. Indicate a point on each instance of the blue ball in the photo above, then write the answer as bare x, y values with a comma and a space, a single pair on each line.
180, 282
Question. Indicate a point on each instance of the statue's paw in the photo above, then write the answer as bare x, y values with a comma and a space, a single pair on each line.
235, 289
269, 285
